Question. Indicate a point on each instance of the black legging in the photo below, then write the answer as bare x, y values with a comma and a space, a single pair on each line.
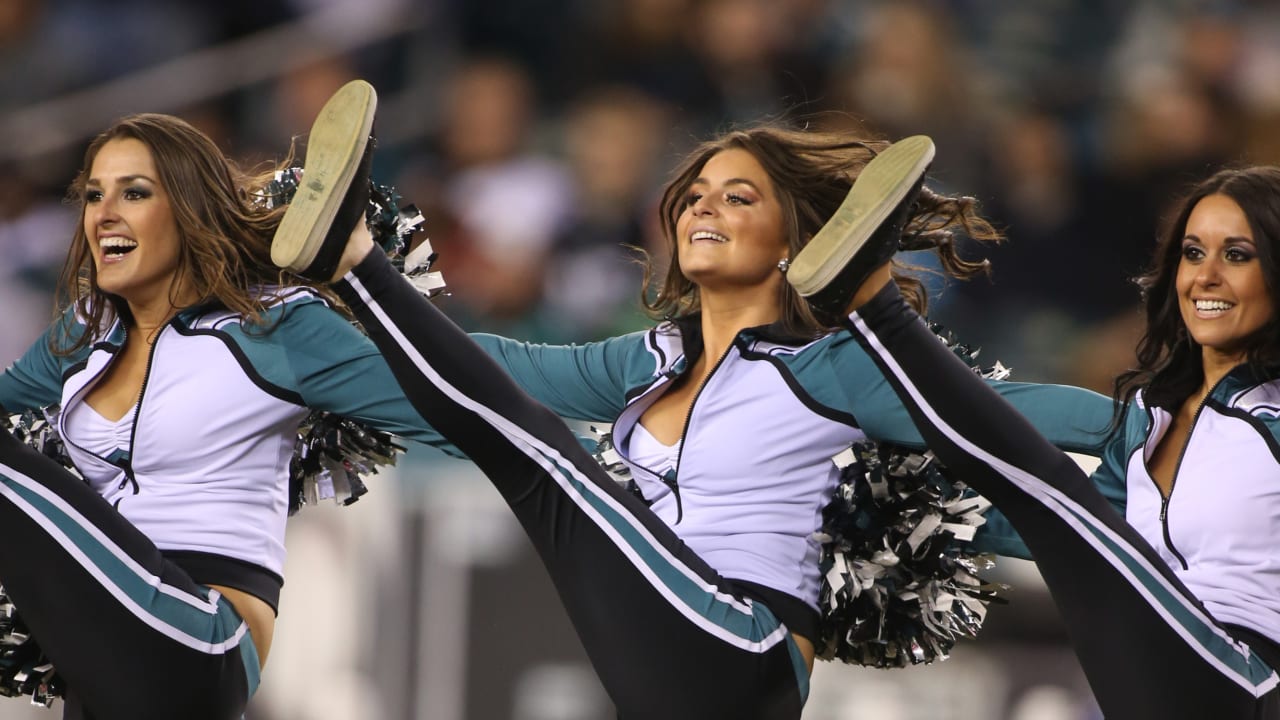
665, 637
130, 632
1145, 643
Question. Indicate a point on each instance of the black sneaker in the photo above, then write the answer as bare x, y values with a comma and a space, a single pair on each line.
335, 185
866, 229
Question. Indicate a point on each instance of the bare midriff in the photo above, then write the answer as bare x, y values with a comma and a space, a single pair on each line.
258, 615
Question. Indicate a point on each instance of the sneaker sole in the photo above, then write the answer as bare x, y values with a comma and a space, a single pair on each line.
334, 149
878, 189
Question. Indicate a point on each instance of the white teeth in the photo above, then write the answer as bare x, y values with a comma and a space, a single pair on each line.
708, 235
1213, 305
117, 244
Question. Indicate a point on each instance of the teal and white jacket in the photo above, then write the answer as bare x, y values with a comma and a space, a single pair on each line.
1218, 527
754, 469
204, 469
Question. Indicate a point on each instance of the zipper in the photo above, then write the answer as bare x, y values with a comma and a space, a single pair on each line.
671, 479
1164, 499
137, 410
129, 477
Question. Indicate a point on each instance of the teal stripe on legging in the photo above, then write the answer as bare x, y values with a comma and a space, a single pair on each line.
184, 618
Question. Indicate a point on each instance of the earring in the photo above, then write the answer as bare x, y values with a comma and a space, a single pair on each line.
783, 265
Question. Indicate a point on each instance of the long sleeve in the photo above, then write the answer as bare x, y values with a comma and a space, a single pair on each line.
1073, 419
1111, 476
336, 368
583, 382
34, 380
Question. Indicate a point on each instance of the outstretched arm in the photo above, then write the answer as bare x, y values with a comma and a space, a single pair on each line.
34, 381
1073, 419
583, 382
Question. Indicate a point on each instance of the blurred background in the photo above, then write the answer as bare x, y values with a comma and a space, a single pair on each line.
535, 134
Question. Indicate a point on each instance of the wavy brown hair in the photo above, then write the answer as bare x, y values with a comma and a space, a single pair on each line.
224, 237
812, 173
1169, 360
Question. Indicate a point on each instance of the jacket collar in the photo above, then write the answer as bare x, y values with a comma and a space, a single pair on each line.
690, 329
1168, 390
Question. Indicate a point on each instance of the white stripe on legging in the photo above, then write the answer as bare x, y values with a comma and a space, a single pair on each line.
1066, 508
539, 452
154, 581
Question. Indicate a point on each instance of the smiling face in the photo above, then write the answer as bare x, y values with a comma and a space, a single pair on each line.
130, 227
730, 234
1222, 294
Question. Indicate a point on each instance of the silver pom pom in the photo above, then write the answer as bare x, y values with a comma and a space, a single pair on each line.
900, 583
24, 670
331, 456
391, 225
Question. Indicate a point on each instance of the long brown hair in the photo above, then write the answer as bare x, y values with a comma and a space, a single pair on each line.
1169, 360
812, 173
224, 236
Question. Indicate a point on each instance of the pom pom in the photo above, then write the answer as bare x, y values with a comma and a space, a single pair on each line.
24, 670
331, 456
39, 431
900, 583
608, 458
391, 225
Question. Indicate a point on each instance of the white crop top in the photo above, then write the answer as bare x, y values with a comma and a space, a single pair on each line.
88, 429
649, 453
